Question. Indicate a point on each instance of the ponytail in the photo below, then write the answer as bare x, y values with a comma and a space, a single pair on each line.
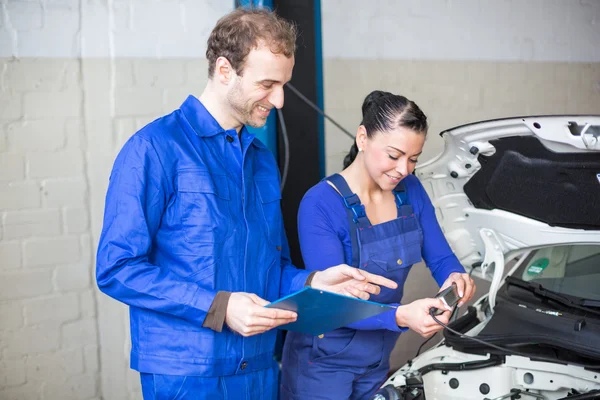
349, 159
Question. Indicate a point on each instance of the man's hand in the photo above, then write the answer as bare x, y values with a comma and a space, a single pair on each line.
464, 284
247, 315
344, 279
416, 316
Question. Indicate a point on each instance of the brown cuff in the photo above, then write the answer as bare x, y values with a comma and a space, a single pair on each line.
216, 314
310, 278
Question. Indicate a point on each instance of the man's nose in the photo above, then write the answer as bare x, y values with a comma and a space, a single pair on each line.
276, 97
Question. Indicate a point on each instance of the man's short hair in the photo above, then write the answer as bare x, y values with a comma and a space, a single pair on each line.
242, 30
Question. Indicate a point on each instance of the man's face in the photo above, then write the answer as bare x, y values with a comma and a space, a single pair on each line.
260, 86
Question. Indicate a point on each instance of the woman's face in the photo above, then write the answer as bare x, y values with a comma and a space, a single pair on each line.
392, 155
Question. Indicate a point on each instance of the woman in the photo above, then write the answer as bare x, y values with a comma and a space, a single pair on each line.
374, 215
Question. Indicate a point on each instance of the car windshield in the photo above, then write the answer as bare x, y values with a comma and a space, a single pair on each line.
572, 270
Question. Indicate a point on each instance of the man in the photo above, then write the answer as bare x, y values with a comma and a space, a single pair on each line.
193, 237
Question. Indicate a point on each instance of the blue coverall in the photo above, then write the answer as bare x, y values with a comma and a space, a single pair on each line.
352, 362
192, 210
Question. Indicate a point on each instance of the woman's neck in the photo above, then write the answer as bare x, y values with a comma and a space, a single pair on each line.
361, 183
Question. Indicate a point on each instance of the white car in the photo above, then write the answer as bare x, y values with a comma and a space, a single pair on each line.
519, 202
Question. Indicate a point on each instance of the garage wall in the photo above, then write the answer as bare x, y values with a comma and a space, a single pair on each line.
78, 77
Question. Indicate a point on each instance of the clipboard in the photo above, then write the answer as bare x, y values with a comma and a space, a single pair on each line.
320, 311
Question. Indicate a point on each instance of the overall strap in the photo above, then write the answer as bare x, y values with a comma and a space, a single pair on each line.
351, 201
357, 216
404, 207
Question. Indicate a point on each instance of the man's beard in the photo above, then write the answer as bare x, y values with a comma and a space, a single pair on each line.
243, 111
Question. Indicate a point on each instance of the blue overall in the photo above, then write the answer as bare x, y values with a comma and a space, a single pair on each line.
350, 363
253, 386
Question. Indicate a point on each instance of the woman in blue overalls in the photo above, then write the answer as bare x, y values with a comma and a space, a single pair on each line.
374, 215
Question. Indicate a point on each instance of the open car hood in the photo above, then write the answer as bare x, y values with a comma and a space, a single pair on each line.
501, 187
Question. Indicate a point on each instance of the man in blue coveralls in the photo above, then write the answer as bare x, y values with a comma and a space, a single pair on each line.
193, 237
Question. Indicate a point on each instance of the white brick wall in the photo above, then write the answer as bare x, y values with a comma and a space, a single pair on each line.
48, 330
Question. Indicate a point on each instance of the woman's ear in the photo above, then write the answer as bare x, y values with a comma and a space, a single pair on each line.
361, 137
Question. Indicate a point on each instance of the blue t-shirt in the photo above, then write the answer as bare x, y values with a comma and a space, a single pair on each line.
324, 236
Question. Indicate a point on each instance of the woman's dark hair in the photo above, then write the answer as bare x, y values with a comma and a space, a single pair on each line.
384, 111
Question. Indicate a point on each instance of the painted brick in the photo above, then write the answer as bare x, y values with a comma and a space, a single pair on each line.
99, 77
37, 135
144, 19
94, 19
56, 366
10, 255
511, 73
24, 15
33, 339
124, 129
481, 72
196, 72
158, 73
28, 391
90, 356
11, 316
79, 333
25, 284
12, 167
24, 224
18, 196
73, 277
3, 136
64, 5
51, 251
67, 163
78, 387
64, 193
87, 304
52, 104
11, 105
74, 131
138, 101
76, 220
123, 73
133, 383
60, 308
45, 75
539, 74
174, 98
59, 38
12, 372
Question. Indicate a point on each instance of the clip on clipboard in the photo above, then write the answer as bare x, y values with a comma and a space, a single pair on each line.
321, 312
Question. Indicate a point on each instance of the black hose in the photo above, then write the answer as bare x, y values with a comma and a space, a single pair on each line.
466, 366
594, 394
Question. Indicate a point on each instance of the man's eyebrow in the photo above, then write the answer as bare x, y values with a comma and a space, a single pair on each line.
402, 152
268, 81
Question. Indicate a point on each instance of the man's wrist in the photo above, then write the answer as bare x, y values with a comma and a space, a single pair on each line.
215, 318
310, 278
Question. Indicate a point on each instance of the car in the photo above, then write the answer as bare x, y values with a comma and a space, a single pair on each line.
519, 202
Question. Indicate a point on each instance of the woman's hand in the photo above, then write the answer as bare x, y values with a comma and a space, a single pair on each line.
416, 316
464, 284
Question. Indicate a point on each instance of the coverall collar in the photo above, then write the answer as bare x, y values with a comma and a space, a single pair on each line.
203, 123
